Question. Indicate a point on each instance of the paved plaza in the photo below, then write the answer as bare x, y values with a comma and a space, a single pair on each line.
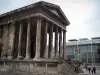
87, 73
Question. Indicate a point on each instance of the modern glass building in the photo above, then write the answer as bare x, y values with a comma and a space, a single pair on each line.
83, 49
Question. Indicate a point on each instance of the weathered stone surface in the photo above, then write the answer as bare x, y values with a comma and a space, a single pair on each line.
38, 39
67, 69
60, 44
40, 68
11, 40
32, 24
64, 45
56, 42
28, 43
1, 40
45, 41
20, 40
51, 42
5, 40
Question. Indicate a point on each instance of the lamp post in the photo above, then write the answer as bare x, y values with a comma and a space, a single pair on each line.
91, 55
78, 55
87, 55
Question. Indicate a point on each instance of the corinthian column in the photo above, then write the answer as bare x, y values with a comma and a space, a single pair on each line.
11, 40
64, 44
56, 42
19, 41
51, 42
28, 43
60, 43
38, 39
5, 40
45, 40
0, 42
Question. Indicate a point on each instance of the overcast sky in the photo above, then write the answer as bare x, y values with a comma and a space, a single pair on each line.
82, 14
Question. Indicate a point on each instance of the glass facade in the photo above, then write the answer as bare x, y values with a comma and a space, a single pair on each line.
85, 53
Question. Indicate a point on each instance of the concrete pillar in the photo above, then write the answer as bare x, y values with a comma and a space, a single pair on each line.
11, 40
56, 42
64, 44
28, 43
60, 43
51, 42
45, 40
38, 39
19, 40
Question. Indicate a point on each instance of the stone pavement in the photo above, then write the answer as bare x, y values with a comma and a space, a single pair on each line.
87, 73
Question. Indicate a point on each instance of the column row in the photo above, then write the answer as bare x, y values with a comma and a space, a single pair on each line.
28, 40
53, 52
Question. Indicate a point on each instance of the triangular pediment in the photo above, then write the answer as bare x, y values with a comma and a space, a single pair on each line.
56, 10
52, 10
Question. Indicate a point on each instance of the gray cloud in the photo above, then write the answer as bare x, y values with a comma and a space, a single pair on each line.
91, 23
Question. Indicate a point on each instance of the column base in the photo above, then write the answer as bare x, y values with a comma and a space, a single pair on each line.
37, 59
27, 58
3, 58
20, 58
17, 58
46, 58
10, 57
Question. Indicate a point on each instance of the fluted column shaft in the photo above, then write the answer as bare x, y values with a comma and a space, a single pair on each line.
11, 40
38, 38
28, 43
5, 40
51, 42
64, 44
60, 43
56, 42
19, 41
45, 40
1, 40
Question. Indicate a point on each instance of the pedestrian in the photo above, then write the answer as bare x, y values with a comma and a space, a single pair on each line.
89, 69
86, 66
76, 69
94, 69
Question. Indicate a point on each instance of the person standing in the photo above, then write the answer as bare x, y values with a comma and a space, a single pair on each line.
94, 69
89, 69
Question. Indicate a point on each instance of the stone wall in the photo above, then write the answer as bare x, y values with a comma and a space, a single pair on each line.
39, 68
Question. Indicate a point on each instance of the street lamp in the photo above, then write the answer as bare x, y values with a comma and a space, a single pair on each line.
91, 54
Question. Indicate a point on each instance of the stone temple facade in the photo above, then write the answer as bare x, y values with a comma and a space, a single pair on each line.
23, 35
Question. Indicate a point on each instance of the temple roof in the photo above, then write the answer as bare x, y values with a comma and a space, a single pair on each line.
51, 8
